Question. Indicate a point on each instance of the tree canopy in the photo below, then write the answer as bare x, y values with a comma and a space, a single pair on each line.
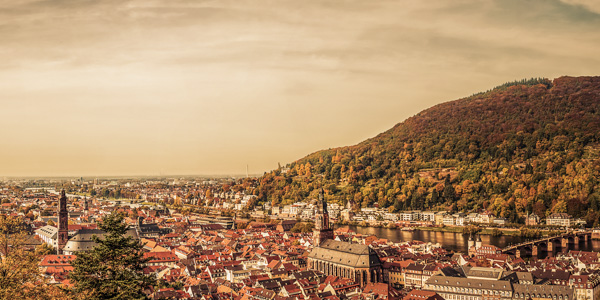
114, 268
20, 277
525, 146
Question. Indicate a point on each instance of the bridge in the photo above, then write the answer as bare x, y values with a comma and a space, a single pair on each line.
564, 242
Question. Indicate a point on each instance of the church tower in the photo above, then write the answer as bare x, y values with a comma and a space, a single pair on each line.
63, 222
323, 230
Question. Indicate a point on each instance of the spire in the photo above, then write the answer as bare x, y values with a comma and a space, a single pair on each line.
323, 230
322, 203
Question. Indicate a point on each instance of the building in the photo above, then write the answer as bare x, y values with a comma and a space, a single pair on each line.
149, 230
323, 230
164, 258
532, 220
448, 220
286, 225
83, 241
428, 216
48, 234
63, 223
355, 261
587, 287
414, 275
422, 295
559, 219
459, 288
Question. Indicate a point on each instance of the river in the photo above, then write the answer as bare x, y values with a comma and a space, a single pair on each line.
450, 240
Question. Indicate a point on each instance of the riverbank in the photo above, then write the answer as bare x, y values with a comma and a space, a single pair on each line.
491, 231
484, 231
451, 239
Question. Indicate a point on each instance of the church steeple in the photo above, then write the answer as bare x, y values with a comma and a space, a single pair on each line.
63, 222
323, 230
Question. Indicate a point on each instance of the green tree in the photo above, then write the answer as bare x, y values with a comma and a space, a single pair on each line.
114, 268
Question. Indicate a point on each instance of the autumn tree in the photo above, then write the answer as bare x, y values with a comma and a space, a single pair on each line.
20, 276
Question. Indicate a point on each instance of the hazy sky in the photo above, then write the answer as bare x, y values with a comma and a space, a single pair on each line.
124, 87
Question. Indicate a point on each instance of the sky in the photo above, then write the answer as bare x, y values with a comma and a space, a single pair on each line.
182, 87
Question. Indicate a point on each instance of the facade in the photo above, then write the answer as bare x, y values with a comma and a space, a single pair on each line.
448, 220
395, 275
48, 234
63, 223
587, 287
355, 261
559, 219
428, 216
416, 274
532, 220
458, 288
150, 230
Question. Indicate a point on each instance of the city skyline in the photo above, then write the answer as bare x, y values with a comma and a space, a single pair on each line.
117, 88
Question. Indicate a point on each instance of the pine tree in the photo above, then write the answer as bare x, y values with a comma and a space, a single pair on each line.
114, 268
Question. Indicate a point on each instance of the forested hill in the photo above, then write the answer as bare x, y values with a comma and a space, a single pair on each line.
531, 145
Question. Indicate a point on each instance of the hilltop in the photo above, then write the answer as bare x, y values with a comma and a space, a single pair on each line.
526, 146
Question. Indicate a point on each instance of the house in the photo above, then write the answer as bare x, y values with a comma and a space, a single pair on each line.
532, 220
285, 225
422, 295
163, 258
559, 219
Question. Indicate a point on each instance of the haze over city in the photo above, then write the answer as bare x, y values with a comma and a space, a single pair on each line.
208, 87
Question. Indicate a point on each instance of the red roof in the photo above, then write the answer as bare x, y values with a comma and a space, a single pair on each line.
57, 260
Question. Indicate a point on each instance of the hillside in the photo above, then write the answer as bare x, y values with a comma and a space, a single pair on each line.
527, 146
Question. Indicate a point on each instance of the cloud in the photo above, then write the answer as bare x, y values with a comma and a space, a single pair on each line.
211, 85
590, 5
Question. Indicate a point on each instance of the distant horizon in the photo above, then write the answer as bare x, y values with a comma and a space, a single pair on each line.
164, 176
178, 87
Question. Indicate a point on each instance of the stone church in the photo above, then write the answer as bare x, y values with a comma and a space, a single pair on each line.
355, 261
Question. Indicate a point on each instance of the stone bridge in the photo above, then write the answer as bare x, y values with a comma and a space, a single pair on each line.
564, 242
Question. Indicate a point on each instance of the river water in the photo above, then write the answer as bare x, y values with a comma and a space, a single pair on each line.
450, 240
